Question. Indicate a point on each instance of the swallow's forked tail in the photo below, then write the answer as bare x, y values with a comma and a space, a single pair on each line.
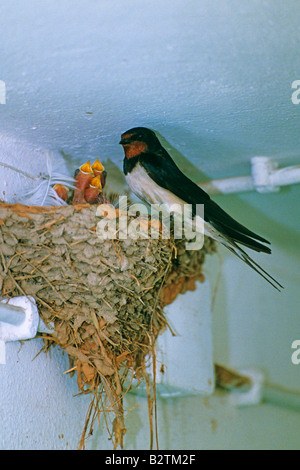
240, 253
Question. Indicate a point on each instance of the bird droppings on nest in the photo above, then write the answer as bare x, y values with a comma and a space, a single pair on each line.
105, 298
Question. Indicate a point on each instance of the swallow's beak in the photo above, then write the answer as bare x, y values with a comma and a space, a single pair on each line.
97, 167
124, 141
96, 183
86, 168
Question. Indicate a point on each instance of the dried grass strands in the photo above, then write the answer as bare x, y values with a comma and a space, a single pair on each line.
105, 298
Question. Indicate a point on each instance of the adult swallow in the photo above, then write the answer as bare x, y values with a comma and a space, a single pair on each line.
155, 178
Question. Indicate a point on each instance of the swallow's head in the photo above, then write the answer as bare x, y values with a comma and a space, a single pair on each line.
139, 140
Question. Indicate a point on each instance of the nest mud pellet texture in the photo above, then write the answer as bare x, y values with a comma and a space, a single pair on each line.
105, 298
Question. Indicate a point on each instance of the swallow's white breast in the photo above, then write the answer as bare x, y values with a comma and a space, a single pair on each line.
150, 192
146, 189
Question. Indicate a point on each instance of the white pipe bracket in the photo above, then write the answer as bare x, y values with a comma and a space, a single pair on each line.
262, 169
24, 328
19, 320
253, 396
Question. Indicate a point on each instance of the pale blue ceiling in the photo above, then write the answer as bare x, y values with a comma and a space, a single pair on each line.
213, 77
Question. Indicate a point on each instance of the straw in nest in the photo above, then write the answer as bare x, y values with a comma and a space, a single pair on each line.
104, 298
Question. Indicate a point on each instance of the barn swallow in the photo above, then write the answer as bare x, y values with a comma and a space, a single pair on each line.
155, 178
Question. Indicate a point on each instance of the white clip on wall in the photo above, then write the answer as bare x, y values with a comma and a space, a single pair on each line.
254, 395
19, 320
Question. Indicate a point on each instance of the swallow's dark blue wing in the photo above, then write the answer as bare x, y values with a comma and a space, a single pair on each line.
163, 170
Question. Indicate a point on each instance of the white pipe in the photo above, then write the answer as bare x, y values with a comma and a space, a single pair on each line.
286, 176
228, 185
265, 177
15, 315
261, 391
11, 314
19, 318
281, 397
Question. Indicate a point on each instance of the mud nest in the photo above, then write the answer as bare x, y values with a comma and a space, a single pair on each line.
104, 298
